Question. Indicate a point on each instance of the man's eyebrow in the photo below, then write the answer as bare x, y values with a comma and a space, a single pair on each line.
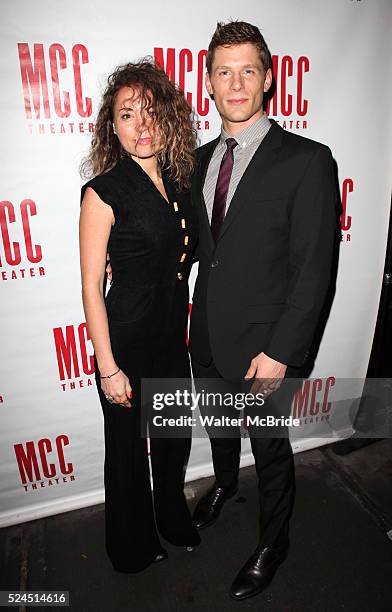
223, 66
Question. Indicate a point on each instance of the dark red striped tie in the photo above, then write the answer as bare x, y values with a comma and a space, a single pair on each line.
222, 187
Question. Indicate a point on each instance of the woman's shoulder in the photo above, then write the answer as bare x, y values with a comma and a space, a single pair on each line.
103, 184
104, 178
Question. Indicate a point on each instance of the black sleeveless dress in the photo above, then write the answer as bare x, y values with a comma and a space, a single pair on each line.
150, 248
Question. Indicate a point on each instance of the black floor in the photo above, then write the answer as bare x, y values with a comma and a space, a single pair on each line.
340, 557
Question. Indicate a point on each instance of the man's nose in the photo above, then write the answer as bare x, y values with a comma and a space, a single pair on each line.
236, 81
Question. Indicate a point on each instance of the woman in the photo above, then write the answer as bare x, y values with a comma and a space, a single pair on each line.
137, 209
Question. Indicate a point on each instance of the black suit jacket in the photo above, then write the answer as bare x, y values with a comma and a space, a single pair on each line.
262, 287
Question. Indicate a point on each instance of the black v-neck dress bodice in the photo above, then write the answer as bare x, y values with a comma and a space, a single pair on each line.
150, 248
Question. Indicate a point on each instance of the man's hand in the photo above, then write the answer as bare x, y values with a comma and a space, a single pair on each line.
108, 268
268, 374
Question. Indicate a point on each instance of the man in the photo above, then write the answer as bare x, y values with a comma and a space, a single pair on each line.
266, 202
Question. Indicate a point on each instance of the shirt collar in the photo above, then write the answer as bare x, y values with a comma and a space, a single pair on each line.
254, 132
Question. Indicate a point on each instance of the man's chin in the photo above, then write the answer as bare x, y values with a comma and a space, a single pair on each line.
239, 116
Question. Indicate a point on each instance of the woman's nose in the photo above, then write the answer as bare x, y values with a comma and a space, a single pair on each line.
143, 123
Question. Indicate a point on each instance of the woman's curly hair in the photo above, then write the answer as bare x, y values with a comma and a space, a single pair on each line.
172, 114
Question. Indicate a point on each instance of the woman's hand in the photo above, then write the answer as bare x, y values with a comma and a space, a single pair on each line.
117, 389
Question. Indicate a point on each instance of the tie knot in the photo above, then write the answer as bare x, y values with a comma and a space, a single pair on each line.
231, 143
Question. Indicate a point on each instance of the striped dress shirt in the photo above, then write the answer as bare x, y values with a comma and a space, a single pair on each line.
248, 142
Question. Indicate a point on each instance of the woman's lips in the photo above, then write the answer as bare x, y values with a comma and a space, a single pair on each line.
144, 141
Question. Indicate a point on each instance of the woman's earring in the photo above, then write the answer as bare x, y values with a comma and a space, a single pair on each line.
114, 129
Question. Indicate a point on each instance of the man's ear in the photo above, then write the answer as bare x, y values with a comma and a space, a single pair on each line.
208, 84
267, 80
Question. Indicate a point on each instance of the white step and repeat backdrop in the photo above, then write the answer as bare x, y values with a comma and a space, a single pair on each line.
333, 85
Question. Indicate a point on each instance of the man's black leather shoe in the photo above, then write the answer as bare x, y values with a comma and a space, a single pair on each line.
258, 571
161, 556
210, 505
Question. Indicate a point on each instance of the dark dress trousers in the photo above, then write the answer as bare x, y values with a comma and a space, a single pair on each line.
147, 309
261, 288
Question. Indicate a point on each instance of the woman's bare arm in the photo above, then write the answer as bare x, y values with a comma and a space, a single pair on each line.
96, 220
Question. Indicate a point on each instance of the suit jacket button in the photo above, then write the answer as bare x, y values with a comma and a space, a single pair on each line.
214, 263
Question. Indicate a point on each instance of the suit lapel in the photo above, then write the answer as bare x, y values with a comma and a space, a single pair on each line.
259, 166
